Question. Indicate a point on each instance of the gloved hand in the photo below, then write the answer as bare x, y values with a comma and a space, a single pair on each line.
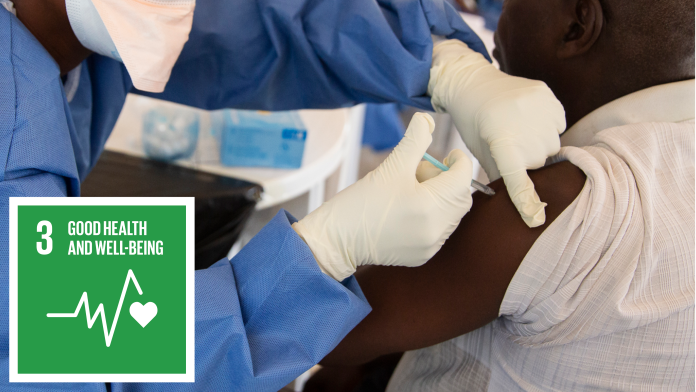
510, 124
388, 217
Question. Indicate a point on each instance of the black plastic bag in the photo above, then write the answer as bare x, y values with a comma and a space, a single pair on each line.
223, 205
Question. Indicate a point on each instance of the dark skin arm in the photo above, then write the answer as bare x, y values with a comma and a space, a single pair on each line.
462, 287
48, 21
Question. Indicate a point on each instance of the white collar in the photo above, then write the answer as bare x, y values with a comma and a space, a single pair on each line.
671, 102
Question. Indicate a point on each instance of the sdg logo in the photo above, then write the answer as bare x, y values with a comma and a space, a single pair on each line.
101, 290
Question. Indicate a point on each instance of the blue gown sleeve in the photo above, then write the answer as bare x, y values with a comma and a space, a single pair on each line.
282, 55
266, 316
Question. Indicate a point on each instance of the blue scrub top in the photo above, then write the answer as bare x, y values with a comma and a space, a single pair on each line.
268, 314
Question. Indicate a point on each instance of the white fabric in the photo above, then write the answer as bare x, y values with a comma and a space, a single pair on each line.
604, 300
510, 124
89, 28
673, 102
149, 36
8, 5
72, 82
388, 217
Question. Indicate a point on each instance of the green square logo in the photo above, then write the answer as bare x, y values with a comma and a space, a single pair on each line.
101, 290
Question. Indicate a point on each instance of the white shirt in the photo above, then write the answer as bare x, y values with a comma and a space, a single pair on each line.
604, 299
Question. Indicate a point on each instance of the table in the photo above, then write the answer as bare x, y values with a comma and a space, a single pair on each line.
333, 137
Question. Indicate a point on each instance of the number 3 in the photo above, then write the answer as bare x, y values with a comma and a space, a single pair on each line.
47, 237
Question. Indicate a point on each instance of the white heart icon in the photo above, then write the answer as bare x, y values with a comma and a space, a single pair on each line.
143, 314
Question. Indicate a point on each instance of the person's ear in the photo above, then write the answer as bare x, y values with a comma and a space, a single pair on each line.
585, 23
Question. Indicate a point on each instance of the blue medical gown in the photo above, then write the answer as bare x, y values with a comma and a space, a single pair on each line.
268, 314
383, 128
282, 55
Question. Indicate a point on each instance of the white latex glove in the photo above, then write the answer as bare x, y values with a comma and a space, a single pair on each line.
388, 217
510, 124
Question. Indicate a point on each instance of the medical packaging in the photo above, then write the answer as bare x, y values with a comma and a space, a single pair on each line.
169, 133
260, 138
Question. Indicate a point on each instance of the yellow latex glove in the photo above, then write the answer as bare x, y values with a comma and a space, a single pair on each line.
388, 217
510, 124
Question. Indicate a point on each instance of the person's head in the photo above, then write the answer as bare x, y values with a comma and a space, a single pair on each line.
590, 52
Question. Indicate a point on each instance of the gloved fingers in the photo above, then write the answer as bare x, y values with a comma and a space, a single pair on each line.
513, 161
453, 186
452, 157
513, 153
404, 160
426, 171
525, 198
482, 153
460, 159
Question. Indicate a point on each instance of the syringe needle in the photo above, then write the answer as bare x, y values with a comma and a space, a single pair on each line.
482, 187
475, 184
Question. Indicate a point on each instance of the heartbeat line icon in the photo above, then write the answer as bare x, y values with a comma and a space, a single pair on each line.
143, 314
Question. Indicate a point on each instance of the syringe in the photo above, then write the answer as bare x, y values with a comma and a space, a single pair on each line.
475, 184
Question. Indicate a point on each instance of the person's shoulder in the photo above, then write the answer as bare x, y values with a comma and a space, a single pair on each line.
492, 240
647, 135
557, 184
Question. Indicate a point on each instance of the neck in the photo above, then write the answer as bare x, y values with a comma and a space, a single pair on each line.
583, 97
48, 21
593, 87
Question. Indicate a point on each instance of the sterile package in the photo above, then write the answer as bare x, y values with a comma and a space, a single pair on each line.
260, 138
170, 134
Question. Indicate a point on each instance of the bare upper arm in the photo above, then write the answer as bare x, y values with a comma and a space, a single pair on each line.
462, 287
